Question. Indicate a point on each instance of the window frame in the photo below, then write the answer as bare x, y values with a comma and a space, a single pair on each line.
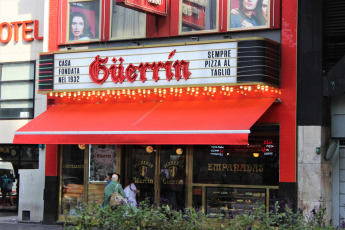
67, 27
30, 81
216, 30
228, 19
111, 38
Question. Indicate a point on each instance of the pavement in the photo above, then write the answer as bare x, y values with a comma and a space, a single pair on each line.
9, 221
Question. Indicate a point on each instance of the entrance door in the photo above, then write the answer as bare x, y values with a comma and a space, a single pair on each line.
159, 173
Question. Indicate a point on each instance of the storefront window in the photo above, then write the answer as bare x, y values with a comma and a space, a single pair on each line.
199, 15
102, 161
83, 20
246, 15
72, 178
253, 164
17, 90
127, 23
173, 176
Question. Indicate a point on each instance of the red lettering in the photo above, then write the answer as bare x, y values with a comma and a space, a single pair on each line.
113, 69
96, 67
16, 30
9, 32
178, 66
142, 68
155, 68
117, 71
26, 30
130, 73
36, 31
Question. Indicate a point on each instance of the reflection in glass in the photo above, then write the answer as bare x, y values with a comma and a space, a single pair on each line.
199, 15
84, 20
127, 22
236, 164
173, 176
72, 178
102, 161
142, 169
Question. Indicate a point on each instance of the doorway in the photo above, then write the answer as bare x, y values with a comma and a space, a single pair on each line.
159, 173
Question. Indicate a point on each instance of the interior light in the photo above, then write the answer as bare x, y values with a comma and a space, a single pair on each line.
256, 154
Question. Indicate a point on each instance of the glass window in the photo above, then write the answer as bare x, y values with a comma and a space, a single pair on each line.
127, 23
248, 14
83, 20
17, 90
102, 161
199, 15
72, 178
253, 164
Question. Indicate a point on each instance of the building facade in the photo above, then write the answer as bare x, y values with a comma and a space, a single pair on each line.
194, 100
21, 41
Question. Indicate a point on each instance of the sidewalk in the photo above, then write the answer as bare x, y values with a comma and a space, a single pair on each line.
9, 221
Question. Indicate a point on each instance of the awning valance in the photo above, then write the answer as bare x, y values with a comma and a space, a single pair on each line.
225, 122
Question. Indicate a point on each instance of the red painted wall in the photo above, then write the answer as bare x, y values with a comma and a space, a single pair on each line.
283, 113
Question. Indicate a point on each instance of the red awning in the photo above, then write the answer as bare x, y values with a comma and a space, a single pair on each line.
225, 122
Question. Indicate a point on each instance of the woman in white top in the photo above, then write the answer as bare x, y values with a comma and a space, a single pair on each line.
131, 192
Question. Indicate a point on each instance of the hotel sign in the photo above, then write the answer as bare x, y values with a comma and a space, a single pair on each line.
170, 66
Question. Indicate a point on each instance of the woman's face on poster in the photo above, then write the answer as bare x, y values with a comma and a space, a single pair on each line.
264, 9
77, 27
249, 4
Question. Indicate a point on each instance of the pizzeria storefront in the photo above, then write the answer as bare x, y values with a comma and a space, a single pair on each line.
190, 123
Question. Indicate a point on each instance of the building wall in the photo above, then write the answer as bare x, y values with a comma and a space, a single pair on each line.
14, 11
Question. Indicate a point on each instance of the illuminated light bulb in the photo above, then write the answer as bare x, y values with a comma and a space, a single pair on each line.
74, 94
113, 92
84, 93
245, 88
227, 88
98, 93
258, 86
193, 90
188, 89
181, 91
241, 87
61, 94
256, 154
223, 87
133, 92
197, 92
78, 93
155, 90
88, 94
203, 94
176, 90
56, 94
139, 90
205, 88
160, 91
123, 91
128, 92
164, 91
103, 94
266, 89
51, 94
148, 92
144, 91
69, 94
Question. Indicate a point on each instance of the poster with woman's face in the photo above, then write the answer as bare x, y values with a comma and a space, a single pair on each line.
83, 21
248, 14
102, 160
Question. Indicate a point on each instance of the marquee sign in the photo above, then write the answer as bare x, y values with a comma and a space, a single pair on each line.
171, 66
218, 63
